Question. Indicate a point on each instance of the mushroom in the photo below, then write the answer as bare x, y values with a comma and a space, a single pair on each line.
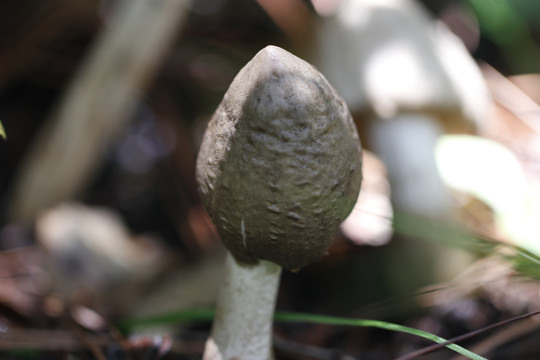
279, 168
92, 255
408, 79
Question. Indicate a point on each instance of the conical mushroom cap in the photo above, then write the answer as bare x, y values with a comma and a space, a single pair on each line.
280, 163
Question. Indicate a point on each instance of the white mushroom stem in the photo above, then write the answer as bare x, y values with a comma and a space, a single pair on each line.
406, 144
242, 326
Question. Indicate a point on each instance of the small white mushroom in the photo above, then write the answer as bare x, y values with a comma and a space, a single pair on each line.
91, 253
278, 170
412, 80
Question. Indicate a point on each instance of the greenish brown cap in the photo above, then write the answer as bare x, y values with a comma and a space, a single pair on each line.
280, 163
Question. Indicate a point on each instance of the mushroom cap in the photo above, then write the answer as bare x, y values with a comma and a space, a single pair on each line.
280, 163
389, 56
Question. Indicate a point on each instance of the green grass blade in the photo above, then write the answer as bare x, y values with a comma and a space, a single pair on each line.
2, 131
174, 317
330, 320
525, 262
206, 314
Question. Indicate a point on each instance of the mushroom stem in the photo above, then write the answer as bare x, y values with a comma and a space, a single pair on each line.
242, 326
406, 144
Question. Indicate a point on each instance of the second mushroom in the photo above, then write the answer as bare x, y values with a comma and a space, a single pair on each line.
278, 170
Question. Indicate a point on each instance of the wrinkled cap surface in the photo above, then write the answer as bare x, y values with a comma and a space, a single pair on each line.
280, 163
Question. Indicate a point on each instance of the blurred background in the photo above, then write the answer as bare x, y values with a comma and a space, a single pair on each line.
104, 103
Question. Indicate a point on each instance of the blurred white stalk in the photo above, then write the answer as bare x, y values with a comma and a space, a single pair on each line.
97, 105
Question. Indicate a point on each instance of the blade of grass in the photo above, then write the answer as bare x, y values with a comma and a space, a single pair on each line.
205, 314
468, 335
526, 262
2, 131
173, 317
331, 320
